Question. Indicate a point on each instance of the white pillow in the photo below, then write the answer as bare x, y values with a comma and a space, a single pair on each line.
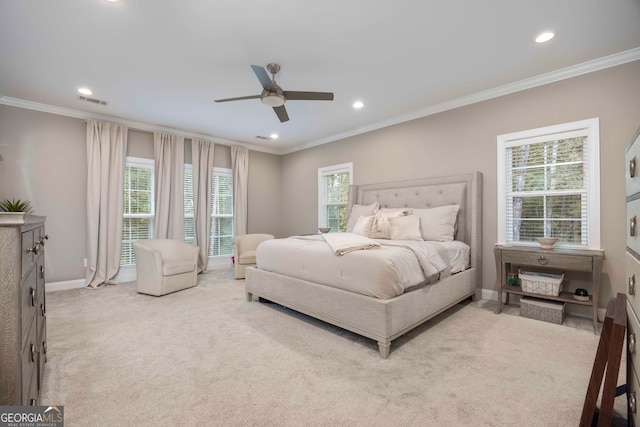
363, 225
380, 228
405, 228
438, 224
359, 210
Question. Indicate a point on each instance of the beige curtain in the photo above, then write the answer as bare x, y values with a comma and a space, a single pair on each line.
240, 171
168, 152
106, 151
202, 155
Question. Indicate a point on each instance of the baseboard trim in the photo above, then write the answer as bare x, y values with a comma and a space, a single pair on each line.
64, 285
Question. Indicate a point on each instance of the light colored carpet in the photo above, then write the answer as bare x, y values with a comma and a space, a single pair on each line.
207, 357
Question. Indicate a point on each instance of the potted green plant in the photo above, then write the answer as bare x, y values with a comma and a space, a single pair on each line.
13, 205
14, 211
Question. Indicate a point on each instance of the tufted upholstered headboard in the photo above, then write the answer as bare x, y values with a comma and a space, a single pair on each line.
465, 190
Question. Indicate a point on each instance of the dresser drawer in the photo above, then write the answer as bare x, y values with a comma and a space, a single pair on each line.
29, 362
632, 288
28, 302
632, 157
633, 394
549, 260
27, 257
633, 225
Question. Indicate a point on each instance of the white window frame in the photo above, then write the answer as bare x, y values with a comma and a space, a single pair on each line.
322, 172
149, 164
592, 127
220, 172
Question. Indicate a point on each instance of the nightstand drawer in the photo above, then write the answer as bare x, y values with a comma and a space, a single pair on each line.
633, 225
549, 260
633, 337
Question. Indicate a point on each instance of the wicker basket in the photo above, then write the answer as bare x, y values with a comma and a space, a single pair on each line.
541, 283
547, 311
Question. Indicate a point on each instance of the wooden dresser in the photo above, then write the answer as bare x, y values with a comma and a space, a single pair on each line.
23, 332
632, 157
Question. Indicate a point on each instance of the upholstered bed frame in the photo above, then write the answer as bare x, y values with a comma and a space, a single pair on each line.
379, 319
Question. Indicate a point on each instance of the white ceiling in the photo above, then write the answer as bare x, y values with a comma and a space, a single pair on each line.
161, 63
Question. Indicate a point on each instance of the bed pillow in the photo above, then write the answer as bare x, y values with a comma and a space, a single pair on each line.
405, 228
360, 210
438, 224
363, 225
381, 228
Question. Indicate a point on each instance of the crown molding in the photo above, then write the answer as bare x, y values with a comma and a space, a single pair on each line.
540, 80
131, 124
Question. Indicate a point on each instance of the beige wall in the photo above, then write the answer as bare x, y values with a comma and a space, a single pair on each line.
45, 162
464, 139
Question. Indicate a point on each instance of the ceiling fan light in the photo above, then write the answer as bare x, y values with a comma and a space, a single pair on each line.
273, 99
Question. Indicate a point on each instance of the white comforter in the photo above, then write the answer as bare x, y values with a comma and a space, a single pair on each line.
383, 273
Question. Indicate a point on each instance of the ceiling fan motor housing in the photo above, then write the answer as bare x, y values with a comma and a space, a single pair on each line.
272, 99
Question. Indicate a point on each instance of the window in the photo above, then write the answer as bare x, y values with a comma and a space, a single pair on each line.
333, 195
189, 218
221, 211
549, 185
138, 208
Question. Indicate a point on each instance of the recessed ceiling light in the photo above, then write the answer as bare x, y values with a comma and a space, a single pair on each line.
85, 91
545, 37
273, 136
357, 105
112, 1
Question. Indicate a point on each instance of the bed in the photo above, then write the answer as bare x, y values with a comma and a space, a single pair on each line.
385, 319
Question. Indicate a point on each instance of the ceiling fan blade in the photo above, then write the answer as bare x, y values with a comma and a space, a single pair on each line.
307, 96
262, 75
240, 98
282, 113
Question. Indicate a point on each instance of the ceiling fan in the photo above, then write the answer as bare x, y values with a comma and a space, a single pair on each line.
273, 95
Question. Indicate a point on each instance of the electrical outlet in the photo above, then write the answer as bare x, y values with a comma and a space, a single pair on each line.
84, 261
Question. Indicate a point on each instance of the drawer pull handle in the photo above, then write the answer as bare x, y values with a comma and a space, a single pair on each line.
32, 402
33, 297
33, 353
632, 343
632, 227
42, 239
42, 271
44, 350
632, 402
542, 260
43, 310
632, 284
632, 168
33, 249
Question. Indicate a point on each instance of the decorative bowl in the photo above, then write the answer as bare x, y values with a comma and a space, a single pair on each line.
547, 242
324, 229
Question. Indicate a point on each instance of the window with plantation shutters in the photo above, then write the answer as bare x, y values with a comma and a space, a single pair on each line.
221, 213
138, 206
333, 196
189, 218
549, 185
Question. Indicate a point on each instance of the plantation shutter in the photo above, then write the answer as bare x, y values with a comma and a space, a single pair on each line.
221, 213
547, 188
189, 217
